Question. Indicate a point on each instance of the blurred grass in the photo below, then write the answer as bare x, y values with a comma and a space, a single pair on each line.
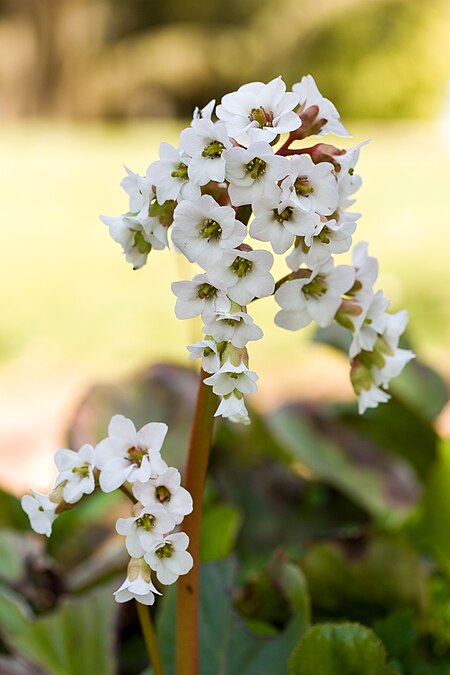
67, 290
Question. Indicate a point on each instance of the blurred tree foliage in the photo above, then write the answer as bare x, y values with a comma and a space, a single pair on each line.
109, 58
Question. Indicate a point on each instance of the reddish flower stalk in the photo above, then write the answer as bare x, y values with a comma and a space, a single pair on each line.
187, 622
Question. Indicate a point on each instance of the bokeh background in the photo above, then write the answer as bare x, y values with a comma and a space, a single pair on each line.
87, 85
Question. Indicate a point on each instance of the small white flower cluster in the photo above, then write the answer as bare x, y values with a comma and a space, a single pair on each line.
375, 356
233, 177
132, 458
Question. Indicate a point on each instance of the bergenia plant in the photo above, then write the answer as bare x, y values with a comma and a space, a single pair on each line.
238, 177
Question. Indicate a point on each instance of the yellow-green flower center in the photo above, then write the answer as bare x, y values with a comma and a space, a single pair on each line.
211, 230
242, 266
263, 117
303, 187
136, 455
180, 171
213, 150
206, 291
316, 287
147, 521
256, 168
165, 551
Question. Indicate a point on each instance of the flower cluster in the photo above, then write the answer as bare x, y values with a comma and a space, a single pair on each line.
130, 460
233, 179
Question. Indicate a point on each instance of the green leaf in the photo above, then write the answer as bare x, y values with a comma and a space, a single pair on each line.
432, 527
76, 638
220, 525
422, 388
80, 532
162, 393
396, 429
398, 634
324, 448
227, 647
11, 513
339, 649
13, 548
366, 578
334, 336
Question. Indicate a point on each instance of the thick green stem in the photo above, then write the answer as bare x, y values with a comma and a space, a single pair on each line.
194, 481
149, 635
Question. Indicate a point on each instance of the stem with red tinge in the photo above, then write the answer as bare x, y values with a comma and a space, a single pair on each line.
188, 592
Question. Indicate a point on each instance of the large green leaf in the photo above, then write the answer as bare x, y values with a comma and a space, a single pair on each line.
364, 580
220, 525
77, 638
227, 647
328, 451
80, 532
396, 429
398, 633
432, 525
422, 388
339, 649
162, 393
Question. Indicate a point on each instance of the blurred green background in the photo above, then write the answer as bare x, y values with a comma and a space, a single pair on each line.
86, 85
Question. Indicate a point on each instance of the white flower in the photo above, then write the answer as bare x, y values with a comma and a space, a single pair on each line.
372, 369
370, 398
206, 350
259, 112
330, 236
309, 95
140, 191
393, 366
138, 584
369, 324
130, 455
240, 418
233, 407
316, 297
40, 509
311, 186
136, 236
366, 272
165, 491
280, 222
170, 176
253, 172
348, 181
202, 230
149, 524
169, 558
230, 378
75, 472
395, 326
235, 327
204, 113
246, 275
395, 359
205, 142
203, 295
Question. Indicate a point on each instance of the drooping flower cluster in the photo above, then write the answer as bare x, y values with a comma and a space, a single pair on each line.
131, 460
233, 179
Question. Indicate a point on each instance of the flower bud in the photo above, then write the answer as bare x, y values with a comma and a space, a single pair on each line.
235, 355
